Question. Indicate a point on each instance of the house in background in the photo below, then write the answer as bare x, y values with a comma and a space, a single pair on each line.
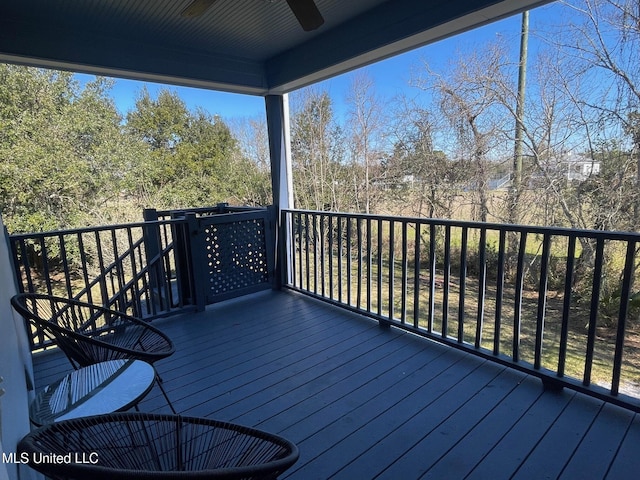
578, 167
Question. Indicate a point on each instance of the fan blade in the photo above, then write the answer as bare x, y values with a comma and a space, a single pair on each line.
196, 8
307, 14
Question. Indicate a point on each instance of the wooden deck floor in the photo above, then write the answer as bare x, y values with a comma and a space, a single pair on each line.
362, 402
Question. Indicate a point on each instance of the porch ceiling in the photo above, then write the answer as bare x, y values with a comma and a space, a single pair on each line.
252, 46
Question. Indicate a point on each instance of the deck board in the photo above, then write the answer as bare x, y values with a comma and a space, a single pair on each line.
365, 402
561, 440
627, 460
425, 436
596, 451
462, 457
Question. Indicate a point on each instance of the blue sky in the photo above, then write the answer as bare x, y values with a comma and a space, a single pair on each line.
391, 76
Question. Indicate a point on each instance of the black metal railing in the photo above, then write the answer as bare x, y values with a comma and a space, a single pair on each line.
231, 249
130, 267
173, 260
556, 303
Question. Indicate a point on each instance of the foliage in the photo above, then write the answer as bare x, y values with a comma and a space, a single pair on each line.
59, 149
191, 158
69, 159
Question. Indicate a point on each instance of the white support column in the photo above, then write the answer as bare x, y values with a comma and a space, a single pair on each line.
280, 150
15, 368
277, 107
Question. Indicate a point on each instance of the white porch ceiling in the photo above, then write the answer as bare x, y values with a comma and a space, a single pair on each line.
244, 46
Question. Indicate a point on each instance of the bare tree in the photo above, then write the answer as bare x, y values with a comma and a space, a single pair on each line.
474, 111
605, 40
366, 121
418, 168
319, 173
583, 96
253, 140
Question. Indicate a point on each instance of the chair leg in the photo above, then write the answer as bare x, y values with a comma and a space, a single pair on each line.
159, 383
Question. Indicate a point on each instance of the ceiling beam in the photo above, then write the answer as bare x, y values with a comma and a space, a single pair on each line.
88, 52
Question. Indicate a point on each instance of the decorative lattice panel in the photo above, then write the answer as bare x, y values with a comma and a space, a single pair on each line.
236, 256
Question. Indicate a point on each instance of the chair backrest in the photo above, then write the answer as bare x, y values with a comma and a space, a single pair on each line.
89, 333
65, 322
173, 446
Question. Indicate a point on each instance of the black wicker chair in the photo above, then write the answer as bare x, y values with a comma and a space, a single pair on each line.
135, 445
89, 334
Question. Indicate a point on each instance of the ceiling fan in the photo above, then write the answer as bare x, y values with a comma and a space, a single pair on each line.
305, 11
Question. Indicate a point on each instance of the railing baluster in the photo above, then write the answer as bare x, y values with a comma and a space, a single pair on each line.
300, 246
146, 282
416, 278
331, 295
517, 308
27, 265
369, 265
379, 266
85, 272
19, 251
359, 253
103, 286
45, 265
482, 282
65, 264
499, 293
447, 280
340, 254
566, 305
322, 255
627, 282
307, 272
182, 280
432, 277
348, 248
314, 230
542, 300
593, 315
403, 305
392, 268
114, 267
134, 271
463, 283
119, 274
164, 240
166, 269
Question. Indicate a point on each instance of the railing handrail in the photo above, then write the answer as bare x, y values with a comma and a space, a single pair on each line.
221, 208
99, 228
141, 274
519, 228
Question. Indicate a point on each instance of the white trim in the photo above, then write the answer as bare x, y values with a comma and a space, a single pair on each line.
15, 362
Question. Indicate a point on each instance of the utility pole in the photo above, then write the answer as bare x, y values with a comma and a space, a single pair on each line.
516, 188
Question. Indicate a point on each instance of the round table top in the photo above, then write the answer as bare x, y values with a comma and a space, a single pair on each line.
104, 387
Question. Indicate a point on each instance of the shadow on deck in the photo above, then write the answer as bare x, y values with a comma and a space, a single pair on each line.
364, 402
